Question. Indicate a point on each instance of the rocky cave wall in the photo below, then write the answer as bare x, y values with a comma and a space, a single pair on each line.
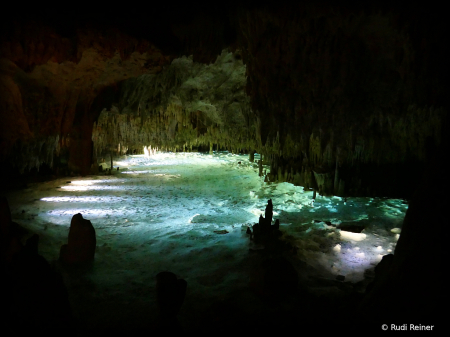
345, 99
355, 96
49, 84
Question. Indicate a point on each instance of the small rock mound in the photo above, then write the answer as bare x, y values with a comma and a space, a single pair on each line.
81, 243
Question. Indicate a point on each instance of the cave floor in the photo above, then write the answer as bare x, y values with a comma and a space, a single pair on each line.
188, 213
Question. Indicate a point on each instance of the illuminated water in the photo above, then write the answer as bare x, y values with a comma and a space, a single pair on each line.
166, 212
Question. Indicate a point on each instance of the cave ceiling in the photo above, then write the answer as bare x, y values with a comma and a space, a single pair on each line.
342, 98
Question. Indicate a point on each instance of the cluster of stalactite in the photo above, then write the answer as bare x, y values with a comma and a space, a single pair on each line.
346, 102
349, 165
28, 155
191, 105
188, 105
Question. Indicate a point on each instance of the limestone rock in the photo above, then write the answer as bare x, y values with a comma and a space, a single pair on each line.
276, 226
269, 212
81, 243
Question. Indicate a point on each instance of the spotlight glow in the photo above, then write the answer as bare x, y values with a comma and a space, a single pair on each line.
352, 236
257, 212
86, 199
87, 182
90, 188
88, 185
137, 172
122, 163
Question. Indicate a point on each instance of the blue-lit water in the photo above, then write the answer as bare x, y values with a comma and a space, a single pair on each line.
188, 213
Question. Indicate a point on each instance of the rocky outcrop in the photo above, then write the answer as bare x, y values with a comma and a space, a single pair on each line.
11, 234
415, 274
81, 243
34, 297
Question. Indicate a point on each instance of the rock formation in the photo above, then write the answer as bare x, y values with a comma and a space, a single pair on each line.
342, 99
81, 243
10, 234
264, 231
415, 278
34, 298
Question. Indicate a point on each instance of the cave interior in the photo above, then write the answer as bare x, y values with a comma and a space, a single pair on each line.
170, 127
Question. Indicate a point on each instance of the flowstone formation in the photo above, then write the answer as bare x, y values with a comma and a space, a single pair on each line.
187, 105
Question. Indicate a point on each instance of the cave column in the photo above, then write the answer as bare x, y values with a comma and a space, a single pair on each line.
81, 144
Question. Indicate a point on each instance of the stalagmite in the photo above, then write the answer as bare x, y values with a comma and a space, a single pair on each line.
81, 242
269, 212
260, 166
